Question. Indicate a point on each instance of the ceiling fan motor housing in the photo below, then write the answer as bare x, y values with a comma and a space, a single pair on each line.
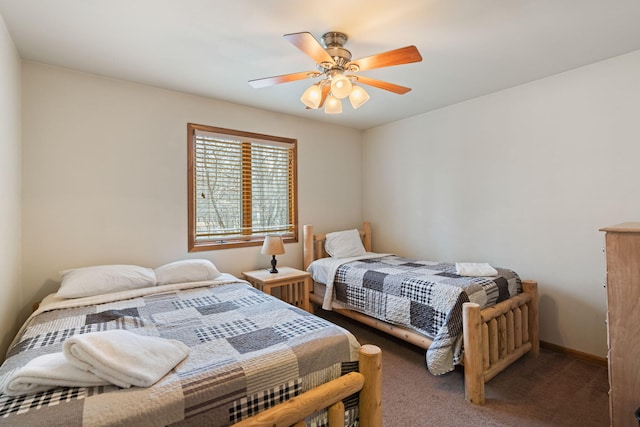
334, 45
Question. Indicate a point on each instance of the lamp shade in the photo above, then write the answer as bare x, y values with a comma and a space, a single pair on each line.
358, 97
332, 105
312, 96
272, 245
340, 86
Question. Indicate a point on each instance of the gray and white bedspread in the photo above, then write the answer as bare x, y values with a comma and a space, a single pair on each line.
422, 295
248, 351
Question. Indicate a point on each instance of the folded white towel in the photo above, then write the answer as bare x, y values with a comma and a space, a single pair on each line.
124, 358
475, 269
47, 372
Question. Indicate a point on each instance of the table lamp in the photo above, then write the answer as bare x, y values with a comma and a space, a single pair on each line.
273, 245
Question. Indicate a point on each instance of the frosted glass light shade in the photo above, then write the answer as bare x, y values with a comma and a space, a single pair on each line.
312, 96
332, 105
358, 97
340, 86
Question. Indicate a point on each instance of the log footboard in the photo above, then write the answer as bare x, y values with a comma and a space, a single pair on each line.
368, 382
497, 336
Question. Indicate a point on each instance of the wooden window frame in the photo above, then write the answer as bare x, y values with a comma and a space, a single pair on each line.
194, 245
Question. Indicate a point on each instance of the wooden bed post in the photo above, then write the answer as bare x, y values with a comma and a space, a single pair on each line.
473, 364
370, 365
307, 245
531, 287
366, 228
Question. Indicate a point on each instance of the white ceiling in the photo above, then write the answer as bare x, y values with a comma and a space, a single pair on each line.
213, 47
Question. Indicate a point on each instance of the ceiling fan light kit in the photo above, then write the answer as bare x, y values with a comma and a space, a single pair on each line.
358, 97
312, 96
340, 86
332, 105
333, 61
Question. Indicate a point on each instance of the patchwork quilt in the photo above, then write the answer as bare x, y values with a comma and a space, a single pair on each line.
422, 295
248, 351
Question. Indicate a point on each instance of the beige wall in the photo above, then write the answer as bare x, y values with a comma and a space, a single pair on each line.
522, 178
105, 174
10, 178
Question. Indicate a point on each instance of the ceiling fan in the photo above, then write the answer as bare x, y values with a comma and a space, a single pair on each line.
337, 70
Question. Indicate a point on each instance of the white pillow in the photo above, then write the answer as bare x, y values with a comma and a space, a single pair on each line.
344, 244
188, 270
104, 279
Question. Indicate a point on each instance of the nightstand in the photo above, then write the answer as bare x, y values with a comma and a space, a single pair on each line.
293, 284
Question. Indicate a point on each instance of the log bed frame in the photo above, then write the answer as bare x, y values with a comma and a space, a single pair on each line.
367, 381
493, 338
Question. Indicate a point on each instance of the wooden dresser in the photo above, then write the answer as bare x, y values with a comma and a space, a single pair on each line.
623, 321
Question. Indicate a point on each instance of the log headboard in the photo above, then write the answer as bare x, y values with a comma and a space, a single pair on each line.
313, 244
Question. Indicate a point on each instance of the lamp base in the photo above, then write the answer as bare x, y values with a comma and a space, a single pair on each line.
273, 265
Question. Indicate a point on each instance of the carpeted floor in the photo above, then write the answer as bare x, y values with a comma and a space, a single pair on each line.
551, 390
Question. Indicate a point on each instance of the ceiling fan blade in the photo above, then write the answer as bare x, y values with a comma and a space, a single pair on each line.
309, 45
325, 93
285, 78
404, 55
383, 85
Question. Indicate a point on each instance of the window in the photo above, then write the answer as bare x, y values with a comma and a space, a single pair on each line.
242, 186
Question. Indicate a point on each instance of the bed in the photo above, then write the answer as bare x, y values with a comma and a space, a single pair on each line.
485, 327
251, 359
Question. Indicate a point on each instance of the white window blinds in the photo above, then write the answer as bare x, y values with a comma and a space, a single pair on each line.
244, 186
